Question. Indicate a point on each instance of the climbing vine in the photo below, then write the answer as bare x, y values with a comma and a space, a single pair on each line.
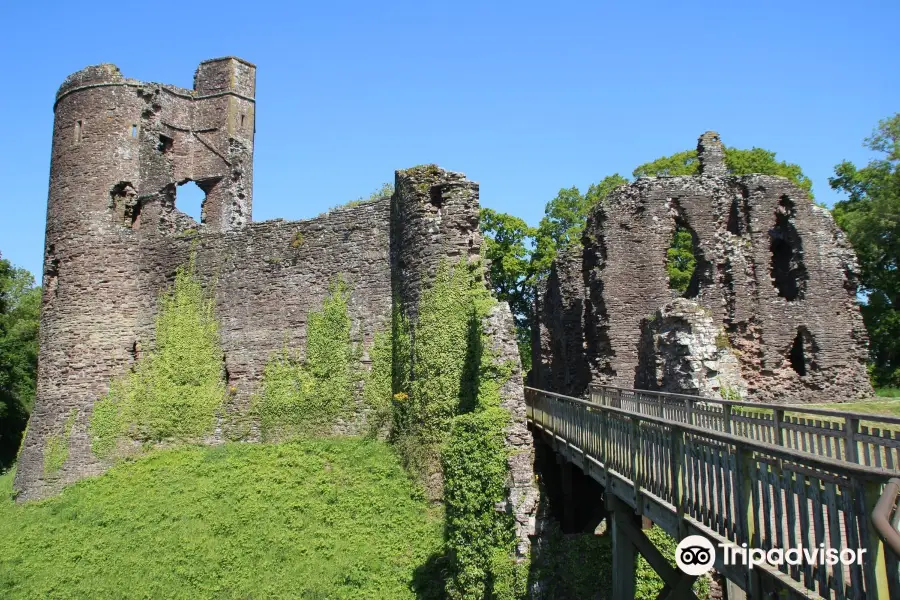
56, 452
447, 419
305, 396
379, 381
175, 391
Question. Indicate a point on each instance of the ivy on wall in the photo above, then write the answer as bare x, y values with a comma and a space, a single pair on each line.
56, 451
447, 421
175, 391
379, 382
305, 396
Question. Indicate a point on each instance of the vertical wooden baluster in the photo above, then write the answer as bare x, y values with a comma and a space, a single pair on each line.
802, 488
787, 484
834, 534
851, 425
819, 527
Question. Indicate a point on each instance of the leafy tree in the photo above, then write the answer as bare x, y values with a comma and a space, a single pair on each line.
680, 261
20, 306
508, 241
738, 162
564, 220
871, 217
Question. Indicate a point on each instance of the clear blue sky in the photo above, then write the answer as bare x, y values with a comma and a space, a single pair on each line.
523, 97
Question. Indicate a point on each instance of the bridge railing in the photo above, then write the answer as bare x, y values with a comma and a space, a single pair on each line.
741, 490
886, 518
872, 440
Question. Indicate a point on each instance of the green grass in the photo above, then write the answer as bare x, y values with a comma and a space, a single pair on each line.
874, 407
320, 519
887, 392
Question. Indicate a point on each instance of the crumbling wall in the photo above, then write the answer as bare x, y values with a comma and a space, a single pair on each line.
115, 237
772, 268
267, 278
685, 351
563, 361
434, 217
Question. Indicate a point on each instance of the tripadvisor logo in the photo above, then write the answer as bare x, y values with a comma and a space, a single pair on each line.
696, 554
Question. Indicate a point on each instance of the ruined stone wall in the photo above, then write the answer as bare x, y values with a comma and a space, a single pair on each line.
267, 277
772, 268
560, 310
434, 217
115, 238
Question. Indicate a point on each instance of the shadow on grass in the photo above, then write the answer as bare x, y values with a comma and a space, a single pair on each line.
430, 579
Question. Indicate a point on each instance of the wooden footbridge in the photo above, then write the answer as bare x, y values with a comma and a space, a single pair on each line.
768, 476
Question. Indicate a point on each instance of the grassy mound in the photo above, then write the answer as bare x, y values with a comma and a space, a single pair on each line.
327, 519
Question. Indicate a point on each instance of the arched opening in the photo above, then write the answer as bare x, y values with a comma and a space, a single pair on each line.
189, 199
789, 274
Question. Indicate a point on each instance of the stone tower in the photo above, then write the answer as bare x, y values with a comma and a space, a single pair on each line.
120, 149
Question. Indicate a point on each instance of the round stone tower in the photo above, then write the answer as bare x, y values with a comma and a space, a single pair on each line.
120, 149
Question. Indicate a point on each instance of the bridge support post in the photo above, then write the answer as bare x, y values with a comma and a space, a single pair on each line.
568, 505
624, 557
629, 541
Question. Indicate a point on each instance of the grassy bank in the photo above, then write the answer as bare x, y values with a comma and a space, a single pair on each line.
314, 519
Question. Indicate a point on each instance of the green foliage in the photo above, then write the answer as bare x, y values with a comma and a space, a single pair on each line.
447, 340
737, 162
378, 388
56, 450
478, 537
386, 190
448, 419
507, 241
296, 240
564, 219
20, 305
175, 391
722, 341
680, 260
575, 566
306, 396
579, 566
871, 218
648, 584
335, 519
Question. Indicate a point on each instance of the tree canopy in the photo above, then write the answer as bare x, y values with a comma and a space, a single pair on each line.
871, 218
20, 305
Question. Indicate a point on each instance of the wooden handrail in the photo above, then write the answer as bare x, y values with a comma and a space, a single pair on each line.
823, 462
881, 516
799, 408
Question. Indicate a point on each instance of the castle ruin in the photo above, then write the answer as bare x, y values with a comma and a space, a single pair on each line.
770, 313
115, 237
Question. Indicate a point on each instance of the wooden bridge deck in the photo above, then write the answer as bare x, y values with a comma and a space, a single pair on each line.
715, 469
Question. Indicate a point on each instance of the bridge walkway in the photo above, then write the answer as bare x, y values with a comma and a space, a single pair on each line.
735, 474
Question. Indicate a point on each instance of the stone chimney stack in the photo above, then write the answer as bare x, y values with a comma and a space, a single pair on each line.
711, 153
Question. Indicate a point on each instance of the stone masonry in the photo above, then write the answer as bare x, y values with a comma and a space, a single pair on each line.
115, 237
773, 272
